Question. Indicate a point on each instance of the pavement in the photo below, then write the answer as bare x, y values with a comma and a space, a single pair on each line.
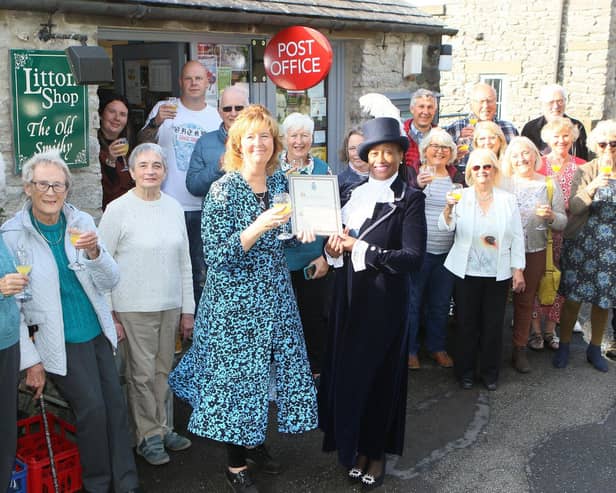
547, 431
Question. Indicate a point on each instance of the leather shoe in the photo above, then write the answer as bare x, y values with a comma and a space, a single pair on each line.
241, 482
442, 359
413, 362
466, 383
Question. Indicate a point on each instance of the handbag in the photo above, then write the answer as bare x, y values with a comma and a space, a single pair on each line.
548, 286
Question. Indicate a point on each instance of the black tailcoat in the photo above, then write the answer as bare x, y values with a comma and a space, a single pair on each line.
362, 399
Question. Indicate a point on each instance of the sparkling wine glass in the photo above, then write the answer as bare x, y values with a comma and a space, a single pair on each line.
540, 206
282, 201
122, 148
23, 265
74, 235
431, 171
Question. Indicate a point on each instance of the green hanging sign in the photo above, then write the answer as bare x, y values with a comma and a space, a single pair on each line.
49, 109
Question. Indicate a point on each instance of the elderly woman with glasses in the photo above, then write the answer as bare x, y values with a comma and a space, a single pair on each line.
75, 336
520, 164
587, 265
432, 286
487, 252
488, 135
145, 228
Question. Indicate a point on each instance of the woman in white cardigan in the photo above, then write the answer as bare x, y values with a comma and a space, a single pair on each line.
488, 251
144, 231
74, 337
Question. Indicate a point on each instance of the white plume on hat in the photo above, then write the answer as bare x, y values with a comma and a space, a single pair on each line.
378, 105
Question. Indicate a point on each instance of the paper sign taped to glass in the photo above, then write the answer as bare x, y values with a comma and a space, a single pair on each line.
316, 204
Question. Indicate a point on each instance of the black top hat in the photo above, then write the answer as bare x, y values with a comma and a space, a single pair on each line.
379, 131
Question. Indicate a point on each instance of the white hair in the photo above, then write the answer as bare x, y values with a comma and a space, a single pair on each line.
547, 91
48, 157
298, 121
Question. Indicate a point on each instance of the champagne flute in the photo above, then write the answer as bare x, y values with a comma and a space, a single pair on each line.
74, 235
455, 192
282, 201
23, 265
540, 206
472, 119
430, 171
122, 148
605, 168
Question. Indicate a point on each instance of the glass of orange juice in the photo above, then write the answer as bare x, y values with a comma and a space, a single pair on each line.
23, 265
74, 235
282, 202
121, 145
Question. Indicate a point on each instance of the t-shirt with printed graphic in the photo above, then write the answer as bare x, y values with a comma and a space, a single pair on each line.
178, 137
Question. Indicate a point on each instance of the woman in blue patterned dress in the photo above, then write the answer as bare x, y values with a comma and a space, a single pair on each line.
247, 318
588, 259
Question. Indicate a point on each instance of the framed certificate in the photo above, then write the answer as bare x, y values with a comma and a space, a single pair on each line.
316, 204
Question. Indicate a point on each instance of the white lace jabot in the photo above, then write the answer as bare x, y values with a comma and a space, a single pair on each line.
363, 199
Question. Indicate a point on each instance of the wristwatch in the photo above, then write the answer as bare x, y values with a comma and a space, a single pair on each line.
152, 123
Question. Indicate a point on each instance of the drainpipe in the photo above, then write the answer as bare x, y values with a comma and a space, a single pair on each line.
561, 20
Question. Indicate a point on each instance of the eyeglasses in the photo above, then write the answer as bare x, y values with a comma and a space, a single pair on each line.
486, 167
487, 138
603, 145
43, 186
229, 109
436, 147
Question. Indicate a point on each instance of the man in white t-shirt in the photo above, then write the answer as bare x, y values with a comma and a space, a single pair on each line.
176, 129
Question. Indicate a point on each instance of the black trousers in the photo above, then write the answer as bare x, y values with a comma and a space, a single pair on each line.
9, 379
92, 388
480, 305
313, 300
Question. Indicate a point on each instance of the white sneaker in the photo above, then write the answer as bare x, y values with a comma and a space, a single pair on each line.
578, 327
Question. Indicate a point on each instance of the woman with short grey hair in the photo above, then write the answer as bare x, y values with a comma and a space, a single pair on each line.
145, 232
432, 286
75, 336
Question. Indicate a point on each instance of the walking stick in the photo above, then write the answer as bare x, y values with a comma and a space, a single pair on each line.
52, 463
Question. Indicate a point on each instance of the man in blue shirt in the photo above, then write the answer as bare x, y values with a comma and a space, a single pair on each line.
206, 159
483, 107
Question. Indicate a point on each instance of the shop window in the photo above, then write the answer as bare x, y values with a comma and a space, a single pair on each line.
311, 102
227, 65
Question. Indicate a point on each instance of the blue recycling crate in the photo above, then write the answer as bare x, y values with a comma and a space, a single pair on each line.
18, 478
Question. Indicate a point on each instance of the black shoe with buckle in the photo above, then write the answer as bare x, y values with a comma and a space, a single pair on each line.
241, 482
260, 457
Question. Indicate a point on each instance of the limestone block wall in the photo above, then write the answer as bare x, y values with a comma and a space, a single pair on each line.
531, 44
376, 64
18, 30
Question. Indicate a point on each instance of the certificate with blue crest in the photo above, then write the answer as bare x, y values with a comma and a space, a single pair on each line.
316, 204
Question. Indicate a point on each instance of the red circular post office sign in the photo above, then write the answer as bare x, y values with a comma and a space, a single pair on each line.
298, 58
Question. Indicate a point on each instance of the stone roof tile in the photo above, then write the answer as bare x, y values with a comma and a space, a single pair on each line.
399, 12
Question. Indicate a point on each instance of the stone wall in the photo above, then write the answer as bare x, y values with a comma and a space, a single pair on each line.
376, 65
18, 30
526, 42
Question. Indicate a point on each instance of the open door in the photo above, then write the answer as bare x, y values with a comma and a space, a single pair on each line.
146, 73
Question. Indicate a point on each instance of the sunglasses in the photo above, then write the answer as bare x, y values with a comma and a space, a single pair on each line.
603, 145
486, 167
229, 109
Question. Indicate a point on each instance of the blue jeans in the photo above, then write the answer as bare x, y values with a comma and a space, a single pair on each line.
431, 290
195, 243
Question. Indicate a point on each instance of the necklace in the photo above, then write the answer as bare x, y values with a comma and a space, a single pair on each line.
261, 199
50, 242
485, 198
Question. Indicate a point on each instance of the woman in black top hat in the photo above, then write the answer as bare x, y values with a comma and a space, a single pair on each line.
362, 399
